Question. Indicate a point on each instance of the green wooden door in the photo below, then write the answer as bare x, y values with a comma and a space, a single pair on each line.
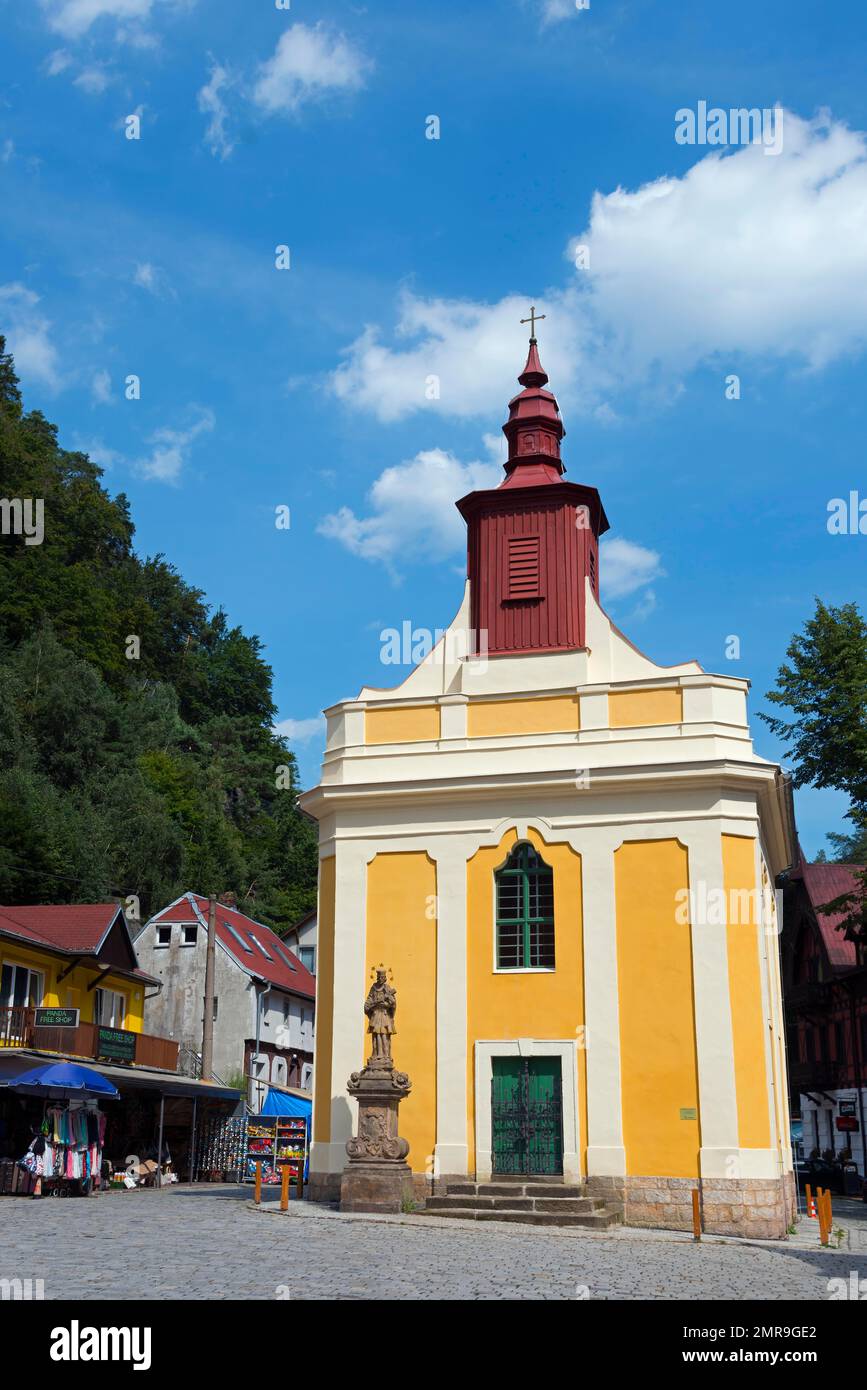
526, 1115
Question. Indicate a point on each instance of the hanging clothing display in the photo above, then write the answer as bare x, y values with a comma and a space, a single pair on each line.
69, 1145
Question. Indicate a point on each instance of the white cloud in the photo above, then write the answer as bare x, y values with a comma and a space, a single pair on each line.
625, 567
307, 63
93, 80
412, 509
73, 18
745, 254
58, 61
302, 730
211, 103
99, 453
170, 449
152, 278
28, 336
644, 607
555, 10
100, 387
7, 151
460, 357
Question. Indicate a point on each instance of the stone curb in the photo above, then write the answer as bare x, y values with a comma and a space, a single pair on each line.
419, 1219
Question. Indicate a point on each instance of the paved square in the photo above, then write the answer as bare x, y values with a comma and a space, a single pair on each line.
208, 1243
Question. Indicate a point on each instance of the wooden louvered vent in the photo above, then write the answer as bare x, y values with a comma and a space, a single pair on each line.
523, 567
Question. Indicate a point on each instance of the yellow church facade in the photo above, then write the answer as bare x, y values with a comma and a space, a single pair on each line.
565, 854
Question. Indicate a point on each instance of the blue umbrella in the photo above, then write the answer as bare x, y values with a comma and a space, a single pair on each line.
63, 1078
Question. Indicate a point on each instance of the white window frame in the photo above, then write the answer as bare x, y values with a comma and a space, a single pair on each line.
115, 996
567, 1051
38, 993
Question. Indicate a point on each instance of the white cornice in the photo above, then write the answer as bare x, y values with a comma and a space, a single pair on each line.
722, 772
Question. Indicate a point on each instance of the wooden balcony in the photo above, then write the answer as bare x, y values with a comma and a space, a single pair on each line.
17, 1029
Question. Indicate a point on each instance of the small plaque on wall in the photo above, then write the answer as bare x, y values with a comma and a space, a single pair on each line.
688, 1112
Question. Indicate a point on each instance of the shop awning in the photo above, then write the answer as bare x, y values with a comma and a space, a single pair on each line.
284, 1103
14, 1064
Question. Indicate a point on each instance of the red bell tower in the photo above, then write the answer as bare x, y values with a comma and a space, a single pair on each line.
532, 541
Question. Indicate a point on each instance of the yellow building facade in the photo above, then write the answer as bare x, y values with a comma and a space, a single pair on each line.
75, 957
564, 854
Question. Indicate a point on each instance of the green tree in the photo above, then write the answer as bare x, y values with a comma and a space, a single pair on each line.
147, 776
824, 684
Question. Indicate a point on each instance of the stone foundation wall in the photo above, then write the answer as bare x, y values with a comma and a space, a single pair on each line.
763, 1208
323, 1187
759, 1207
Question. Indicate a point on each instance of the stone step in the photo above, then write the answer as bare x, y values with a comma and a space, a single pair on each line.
515, 1189
530, 1189
477, 1202
592, 1220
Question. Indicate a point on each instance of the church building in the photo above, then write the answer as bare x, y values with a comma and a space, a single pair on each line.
565, 854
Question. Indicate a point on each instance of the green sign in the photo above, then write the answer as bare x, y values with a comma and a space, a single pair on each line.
688, 1113
115, 1045
56, 1018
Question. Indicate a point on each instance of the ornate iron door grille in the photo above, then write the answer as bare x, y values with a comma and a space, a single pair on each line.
527, 1116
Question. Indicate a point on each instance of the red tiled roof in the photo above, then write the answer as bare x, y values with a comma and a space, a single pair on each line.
276, 970
824, 883
77, 929
66, 927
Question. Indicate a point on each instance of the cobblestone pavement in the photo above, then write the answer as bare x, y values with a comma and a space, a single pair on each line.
209, 1243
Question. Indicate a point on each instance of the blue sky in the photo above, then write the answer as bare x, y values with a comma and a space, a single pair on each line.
413, 257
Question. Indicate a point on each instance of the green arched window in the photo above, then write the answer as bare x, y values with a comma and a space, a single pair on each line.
525, 912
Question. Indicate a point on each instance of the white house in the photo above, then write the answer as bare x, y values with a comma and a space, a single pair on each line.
264, 998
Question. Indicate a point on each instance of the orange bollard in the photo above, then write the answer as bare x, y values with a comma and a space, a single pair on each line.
823, 1222
258, 1188
696, 1215
829, 1213
284, 1188
811, 1202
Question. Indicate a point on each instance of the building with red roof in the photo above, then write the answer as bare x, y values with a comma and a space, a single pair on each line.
264, 997
825, 994
76, 956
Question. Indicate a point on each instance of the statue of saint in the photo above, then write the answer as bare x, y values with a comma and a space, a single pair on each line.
380, 1007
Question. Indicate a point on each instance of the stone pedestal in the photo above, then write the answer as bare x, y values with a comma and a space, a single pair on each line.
377, 1176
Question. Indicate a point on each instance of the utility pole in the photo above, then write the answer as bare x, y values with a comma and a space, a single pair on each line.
208, 1019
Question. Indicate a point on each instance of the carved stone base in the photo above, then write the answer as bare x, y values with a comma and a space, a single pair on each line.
377, 1186
377, 1176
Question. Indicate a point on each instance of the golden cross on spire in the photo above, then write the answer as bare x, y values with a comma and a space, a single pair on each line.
532, 320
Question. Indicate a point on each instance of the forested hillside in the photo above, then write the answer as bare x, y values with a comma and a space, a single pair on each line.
125, 773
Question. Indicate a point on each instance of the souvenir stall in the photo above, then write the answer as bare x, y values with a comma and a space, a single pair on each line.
221, 1149
64, 1154
279, 1137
